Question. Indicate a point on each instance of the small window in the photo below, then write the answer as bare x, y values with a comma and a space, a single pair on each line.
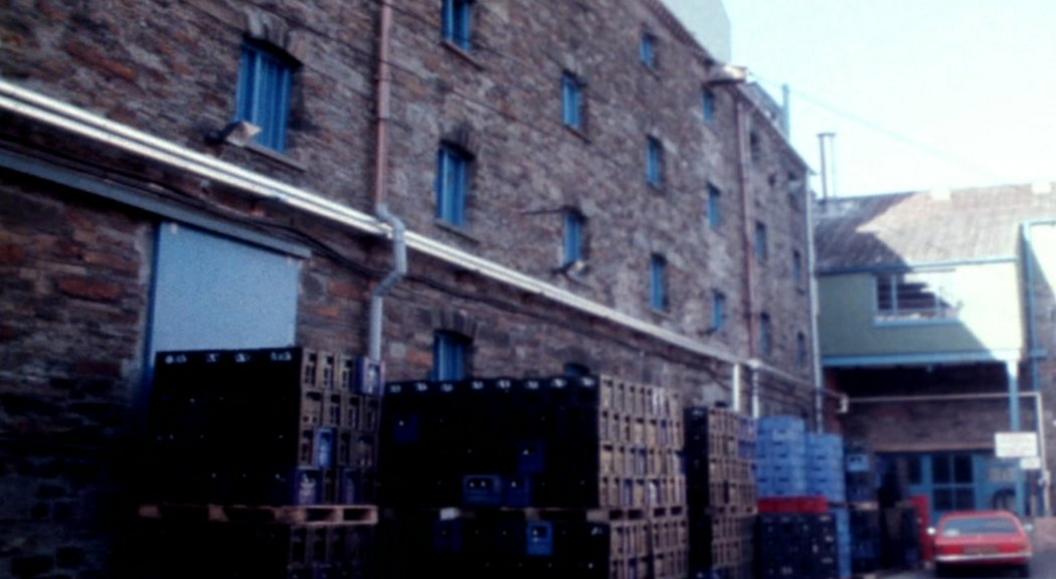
458, 22
755, 147
801, 350
572, 101
576, 370
574, 225
714, 206
658, 298
450, 356
766, 339
647, 50
917, 296
264, 80
654, 162
760, 242
797, 266
708, 102
452, 185
718, 311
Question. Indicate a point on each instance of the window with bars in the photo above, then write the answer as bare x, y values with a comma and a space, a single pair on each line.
452, 184
953, 482
458, 23
575, 223
450, 356
916, 296
572, 101
265, 78
658, 297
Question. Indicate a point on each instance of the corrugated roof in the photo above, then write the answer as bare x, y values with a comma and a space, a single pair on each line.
927, 227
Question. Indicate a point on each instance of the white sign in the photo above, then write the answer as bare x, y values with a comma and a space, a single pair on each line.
1030, 463
1016, 444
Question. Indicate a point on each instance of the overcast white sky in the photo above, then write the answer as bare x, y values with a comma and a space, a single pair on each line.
927, 93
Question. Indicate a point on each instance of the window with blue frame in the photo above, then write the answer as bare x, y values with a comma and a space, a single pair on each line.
714, 206
708, 102
654, 162
450, 356
797, 266
760, 242
572, 101
265, 78
766, 338
658, 298
574, 226
458, 23
647, 50
953, 482
801, 350
452, 184
718, 311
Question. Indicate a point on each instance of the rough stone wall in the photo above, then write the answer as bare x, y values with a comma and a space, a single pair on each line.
171, 69
71, 325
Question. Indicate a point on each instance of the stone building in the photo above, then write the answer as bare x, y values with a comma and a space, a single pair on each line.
936, 318
584, 189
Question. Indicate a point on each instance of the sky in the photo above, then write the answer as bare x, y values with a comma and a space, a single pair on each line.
921, 94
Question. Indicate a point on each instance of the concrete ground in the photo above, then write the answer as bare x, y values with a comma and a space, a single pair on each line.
1043, 567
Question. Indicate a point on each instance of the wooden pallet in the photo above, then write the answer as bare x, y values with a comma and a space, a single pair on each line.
288, 515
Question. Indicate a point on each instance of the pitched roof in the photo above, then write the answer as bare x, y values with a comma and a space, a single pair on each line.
926, 227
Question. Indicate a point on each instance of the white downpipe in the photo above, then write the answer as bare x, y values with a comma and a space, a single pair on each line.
736, 394
56, 113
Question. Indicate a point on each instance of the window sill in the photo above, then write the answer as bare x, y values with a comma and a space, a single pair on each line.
662, 314
577, 132
275, 156
456, 230
915, 323
462, 53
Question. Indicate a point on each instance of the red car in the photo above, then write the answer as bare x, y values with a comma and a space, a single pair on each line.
981, 538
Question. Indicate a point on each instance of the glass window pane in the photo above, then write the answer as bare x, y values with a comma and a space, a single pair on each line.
940, 469
964, 499
962, 469
944, 500
916, 474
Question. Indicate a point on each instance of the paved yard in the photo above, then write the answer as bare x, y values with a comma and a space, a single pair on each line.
1044, 567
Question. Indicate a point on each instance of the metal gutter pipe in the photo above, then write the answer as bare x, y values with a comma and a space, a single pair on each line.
77, 121
742, 181
815, 339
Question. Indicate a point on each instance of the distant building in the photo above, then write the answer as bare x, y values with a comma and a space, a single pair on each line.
937, 319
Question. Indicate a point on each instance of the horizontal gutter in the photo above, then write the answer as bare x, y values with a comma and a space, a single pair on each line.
936, 397
866, 361
907, 266
44, 109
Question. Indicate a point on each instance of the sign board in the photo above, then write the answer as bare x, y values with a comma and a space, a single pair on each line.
1030, 463
1016, 444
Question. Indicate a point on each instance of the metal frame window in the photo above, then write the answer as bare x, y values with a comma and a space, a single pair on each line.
458, 23
953, 482
760, 242
916, 296
450, 356
647, 50
265, 78
572, 101
766, 338
654, 162
718, 311
574, 225
708, 105
658, 296
452, 184
714, 206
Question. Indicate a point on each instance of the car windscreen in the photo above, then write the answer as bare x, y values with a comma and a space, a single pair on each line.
979, 526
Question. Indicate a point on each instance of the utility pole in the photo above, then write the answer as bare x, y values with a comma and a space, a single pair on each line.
823, 140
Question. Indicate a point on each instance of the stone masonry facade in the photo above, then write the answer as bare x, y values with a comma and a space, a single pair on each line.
77, 270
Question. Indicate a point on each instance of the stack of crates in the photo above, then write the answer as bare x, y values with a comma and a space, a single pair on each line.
798, 546
285, 434
543, 464
860, 473
825, 476
864, 511
720, 476
782, 457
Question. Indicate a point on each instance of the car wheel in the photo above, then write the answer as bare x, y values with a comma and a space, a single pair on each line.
1023, 571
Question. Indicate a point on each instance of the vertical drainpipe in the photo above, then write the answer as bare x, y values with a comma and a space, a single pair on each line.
381, 180
1032, 348
815, 339
742, 180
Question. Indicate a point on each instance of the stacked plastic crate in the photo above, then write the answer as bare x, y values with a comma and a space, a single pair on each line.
721, 492
825, 478
864, 510
782, 457
259, 451
576, 477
